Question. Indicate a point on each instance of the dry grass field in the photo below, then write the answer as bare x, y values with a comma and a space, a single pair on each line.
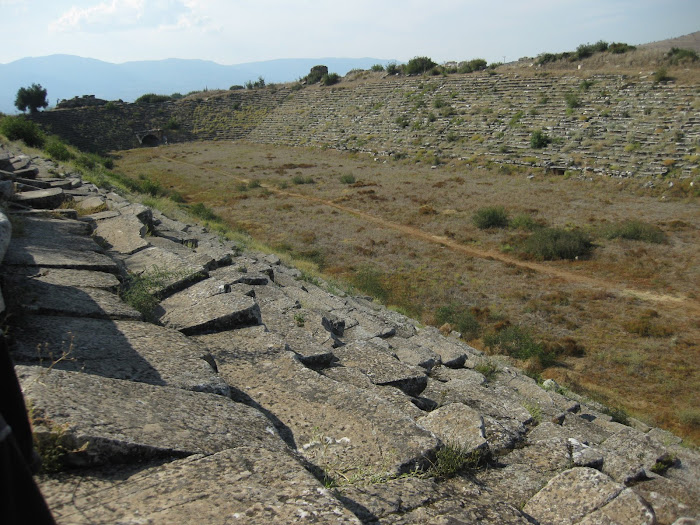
622, 323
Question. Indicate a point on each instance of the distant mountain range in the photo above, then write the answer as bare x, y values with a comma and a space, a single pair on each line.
67, 76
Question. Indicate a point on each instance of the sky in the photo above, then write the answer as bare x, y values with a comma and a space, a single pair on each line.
240, 31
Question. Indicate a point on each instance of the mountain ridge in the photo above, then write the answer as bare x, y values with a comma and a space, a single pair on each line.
67, 76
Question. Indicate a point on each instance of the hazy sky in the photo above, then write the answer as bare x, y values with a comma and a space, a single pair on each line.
237, 31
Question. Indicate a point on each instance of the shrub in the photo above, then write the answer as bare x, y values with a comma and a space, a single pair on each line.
110, 106
490, 217
587, 50
539, 139
151, 98
348, 178
478, 64
141, 291
403, 121
19, 128
203, 212
91, 160
419, 65
619, 48
661, 75
393, 68
635, 230
172, 123
330, 79
300, 179
460, 318
377, 68
554, 243
316, 74
524, 222
57, 150
236, 87
518, 343
572, 101
678, 55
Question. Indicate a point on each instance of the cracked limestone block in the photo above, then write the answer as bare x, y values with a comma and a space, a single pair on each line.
177, 272
572, 495
457, 425
630, 455
47, 199
124, 234
331, 423
381, 366
246, 484
129, 350
125, 421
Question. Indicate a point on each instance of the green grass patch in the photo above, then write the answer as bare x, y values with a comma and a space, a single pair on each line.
554, 243
141, 291
519, 343
636, 231
452, 459
460, 318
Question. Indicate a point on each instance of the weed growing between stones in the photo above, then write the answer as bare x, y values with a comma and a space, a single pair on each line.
452, 459
141, 291
534, 410
488, 369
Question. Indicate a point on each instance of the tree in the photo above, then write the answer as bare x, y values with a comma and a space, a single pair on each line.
33, 97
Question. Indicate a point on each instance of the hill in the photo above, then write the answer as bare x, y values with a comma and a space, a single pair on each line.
66, 76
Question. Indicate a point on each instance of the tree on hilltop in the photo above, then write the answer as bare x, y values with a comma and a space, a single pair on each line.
32, 97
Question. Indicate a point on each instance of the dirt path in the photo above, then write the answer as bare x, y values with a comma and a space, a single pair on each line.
687, 304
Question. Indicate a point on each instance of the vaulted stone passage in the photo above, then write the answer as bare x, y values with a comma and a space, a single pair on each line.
150, 137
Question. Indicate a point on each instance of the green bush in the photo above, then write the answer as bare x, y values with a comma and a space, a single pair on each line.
554, 243
172, 123
19, 128
201, 211
393, 68
151, 98
539, 139
403, 121
518, 343
661, 75
572, 101
678, 55
348, 178
316, 74
377, 68
490, 217
236, 87
460, 318
524, 222
57, 150
619, 48
478, 64
90, 161
330, 79
32, 98
419, 65
635, 230
300, 179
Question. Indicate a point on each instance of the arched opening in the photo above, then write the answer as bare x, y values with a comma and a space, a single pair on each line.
150, 140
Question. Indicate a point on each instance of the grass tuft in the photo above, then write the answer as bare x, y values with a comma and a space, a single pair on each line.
554, 243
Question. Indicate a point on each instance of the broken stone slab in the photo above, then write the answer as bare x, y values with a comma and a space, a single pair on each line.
39, 297
246, 484
20, 254
628, 507
361, 326
184, 251
334, 425
125, 421
396, 397
571, 495
452, 354
210, 307
670, 499
7, 190
381, 366
457, 425
44, 199
175, 272
254, 275
631, 456
124, 234
64, 277
5, 234
102, 215
129, 350
414, 354
461, 510
372, 502
90, 203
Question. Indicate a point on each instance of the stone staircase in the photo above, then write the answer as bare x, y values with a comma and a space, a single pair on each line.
255, 395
